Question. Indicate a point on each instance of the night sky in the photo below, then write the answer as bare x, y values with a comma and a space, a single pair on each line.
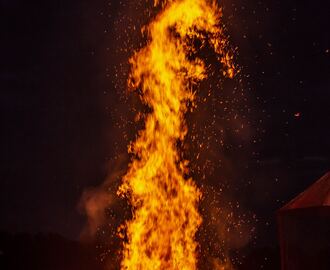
66, 118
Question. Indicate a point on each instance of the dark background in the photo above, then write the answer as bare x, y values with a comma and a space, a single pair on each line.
63, 70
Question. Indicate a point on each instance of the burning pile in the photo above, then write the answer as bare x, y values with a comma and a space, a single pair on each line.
161, 234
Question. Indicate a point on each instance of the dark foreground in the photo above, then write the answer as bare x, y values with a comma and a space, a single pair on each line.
54, 252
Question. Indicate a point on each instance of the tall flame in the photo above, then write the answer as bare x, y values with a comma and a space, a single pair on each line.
161, 234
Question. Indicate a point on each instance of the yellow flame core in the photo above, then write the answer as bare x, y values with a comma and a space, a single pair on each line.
161, 234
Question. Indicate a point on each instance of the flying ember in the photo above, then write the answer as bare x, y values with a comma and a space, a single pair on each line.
164, 200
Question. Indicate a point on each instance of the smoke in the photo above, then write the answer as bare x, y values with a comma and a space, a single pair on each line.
93, 202
96, 200
227, 227
221, 265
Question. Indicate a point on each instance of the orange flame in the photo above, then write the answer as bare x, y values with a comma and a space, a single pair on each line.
161, 234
